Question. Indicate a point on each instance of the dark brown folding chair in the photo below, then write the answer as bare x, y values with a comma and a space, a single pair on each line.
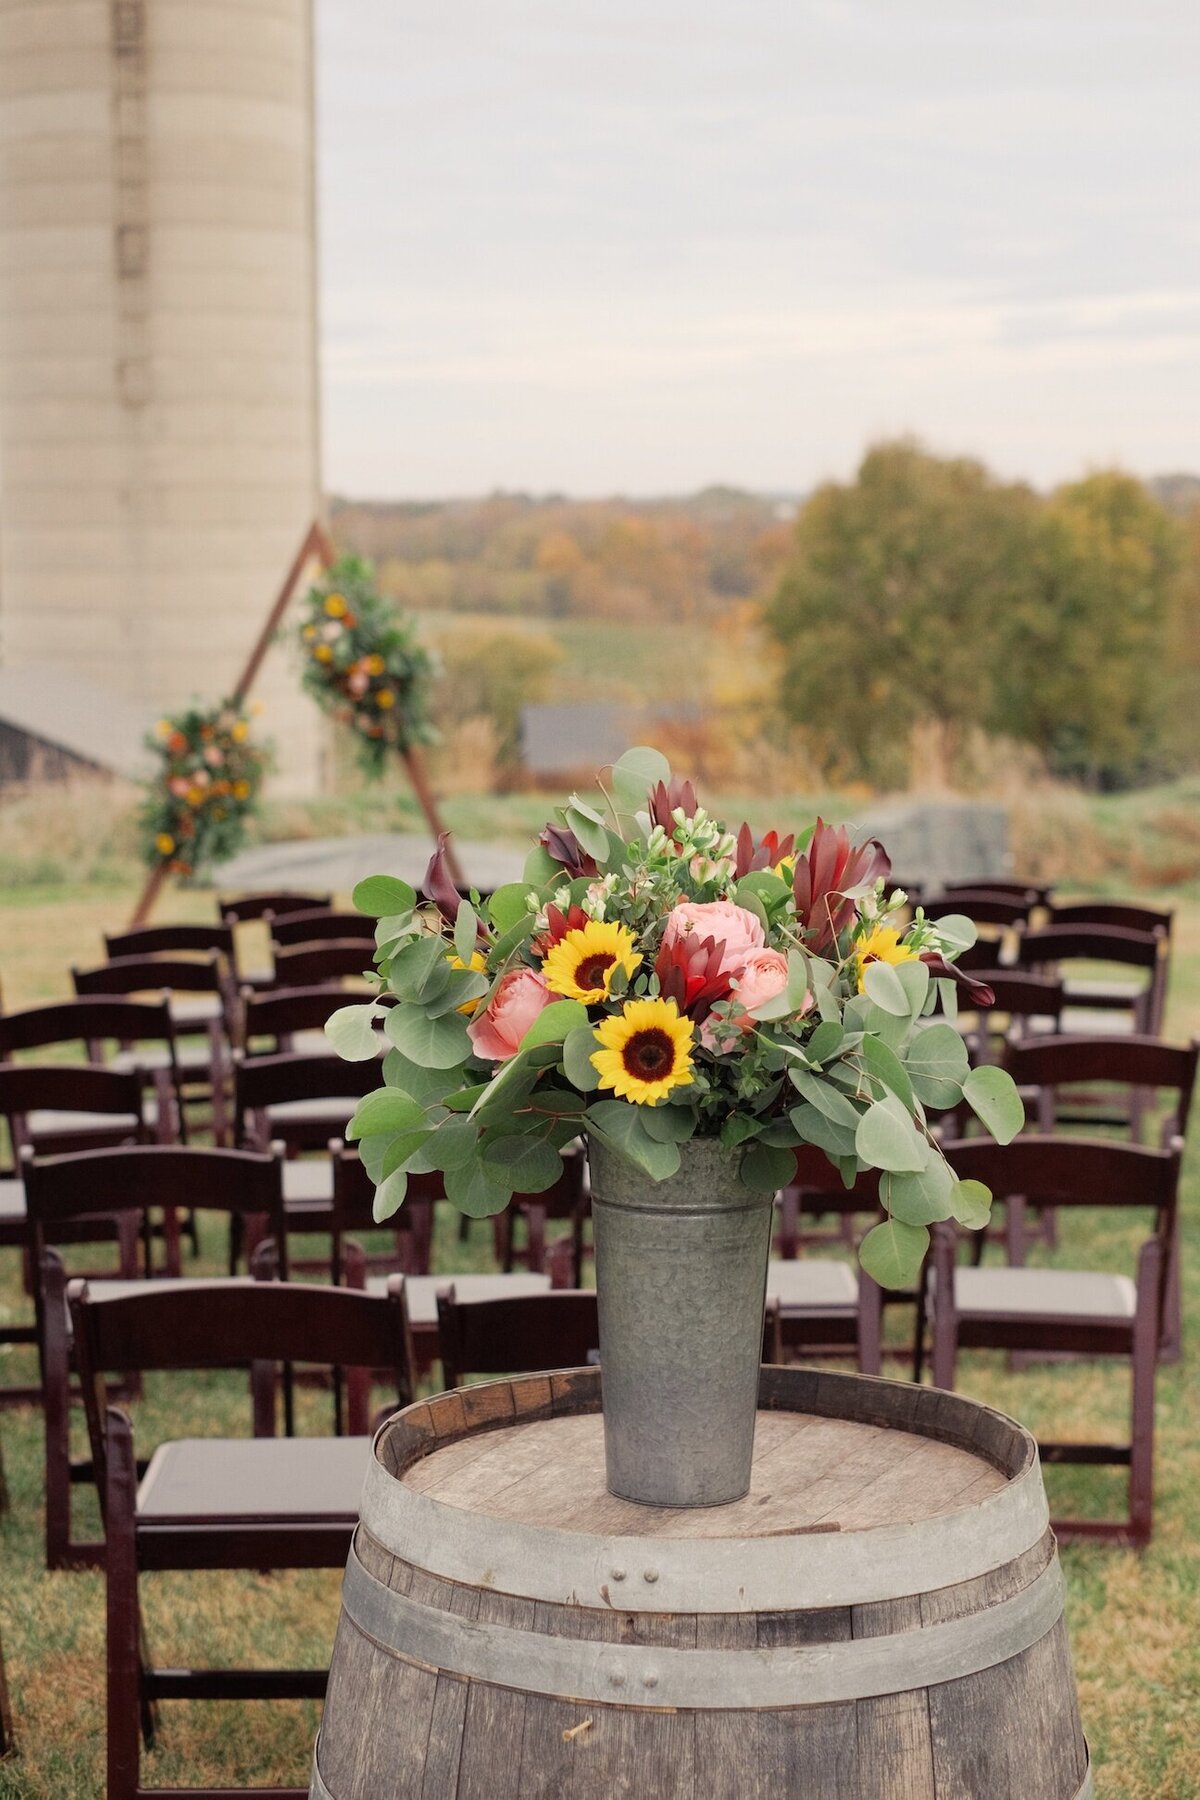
411, 1227
1039, 891
64, 1194
569, 1200
272, 1022
1024, 1005
1124, 914
143, 1031
1080, 1312
65, 1106
304, 1103
337, 959
319, 925
1063, 1074
1053, 948
202, 998
241, 909
983, 907
205, 1504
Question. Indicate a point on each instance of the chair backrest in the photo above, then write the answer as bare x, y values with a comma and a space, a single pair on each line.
1020, 994
306, 965
1122, 1060
263, 1081
157, 940
557, 1330
1069, 1171
219, 1325
1001, 910
151, 974
59, 1189
1054, 944
89, 1021
821, 1189
239, 909
354, 1198
68, 1088
315, 926
279, 1013
1038, 892
1122, 914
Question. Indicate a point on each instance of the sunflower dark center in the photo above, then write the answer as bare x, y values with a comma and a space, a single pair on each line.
649, 1055
592, 970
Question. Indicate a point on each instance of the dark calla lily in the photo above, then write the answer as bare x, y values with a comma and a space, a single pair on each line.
825, 874
440, 889
977, 992
560, 842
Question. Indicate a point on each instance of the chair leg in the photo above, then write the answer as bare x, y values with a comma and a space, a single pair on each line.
1145, 1364
56, 1378
1171, 1345
945, 1319
126, 1711
870, 1326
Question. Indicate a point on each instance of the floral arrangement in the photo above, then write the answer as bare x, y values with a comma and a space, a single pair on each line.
654, 977
205, 789
363, 664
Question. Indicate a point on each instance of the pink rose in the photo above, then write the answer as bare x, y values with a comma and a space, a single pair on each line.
735, 931
765, 974
497, 1032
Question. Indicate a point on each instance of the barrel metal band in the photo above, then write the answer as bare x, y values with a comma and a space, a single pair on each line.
317, 1789
706, 1575
639, 1675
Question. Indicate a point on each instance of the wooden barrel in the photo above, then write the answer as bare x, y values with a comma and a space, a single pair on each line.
882, 1616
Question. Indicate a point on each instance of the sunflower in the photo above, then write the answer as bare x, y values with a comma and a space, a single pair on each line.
581, 964
647, 1051
881, 944
477, 965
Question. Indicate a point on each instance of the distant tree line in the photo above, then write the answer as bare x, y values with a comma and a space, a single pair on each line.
925, 590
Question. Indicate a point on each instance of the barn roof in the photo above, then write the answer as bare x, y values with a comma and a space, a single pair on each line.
75, 715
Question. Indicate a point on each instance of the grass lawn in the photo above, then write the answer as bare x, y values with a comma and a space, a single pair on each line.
1133, 1618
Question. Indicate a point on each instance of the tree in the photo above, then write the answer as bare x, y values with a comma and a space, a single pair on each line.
890, 612
1086, 674
495, 675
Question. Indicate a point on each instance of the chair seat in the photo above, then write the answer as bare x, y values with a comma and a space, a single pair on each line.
260, 1480
1079, 1021
52, 1122
308, 1182
1085, 992
334, 1111
190, 1059
1060, 1293
812, 1286
12, 1201
422, 1290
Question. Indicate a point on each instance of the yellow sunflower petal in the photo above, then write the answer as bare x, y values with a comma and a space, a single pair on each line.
647, 1051
581, 964
882, 944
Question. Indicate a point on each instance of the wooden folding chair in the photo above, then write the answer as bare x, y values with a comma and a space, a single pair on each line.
281, 1021
142, 1030
411, 1228
1040, 892
1082, 1312
1023, 1005
64, 1194
1053, 948
1062, 1073
206, 1504
569, 1199
335, 960
318, 925
242, 909
201, 994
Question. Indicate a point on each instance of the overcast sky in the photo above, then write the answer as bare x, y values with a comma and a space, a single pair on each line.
640, 247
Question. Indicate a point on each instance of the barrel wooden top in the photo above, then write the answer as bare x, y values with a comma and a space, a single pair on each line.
811, 1474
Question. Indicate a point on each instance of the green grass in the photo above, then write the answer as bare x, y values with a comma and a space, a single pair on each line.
1132, 1617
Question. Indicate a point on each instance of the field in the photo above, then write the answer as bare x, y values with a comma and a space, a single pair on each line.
1133, 1618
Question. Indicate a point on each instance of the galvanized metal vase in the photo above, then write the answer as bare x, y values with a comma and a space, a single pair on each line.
681, 1278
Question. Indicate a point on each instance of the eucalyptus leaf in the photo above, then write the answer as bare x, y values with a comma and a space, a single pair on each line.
541, 869
403, 1150
554, 1023
451, 1146
914, 979
971, 1204
529, 1162
885, 988
888, 1140
813, 1127
509, 904
477, 1190
618, 1124
892, 1253
636, 773
440, 1043
886, 1067
992, 1096
429, 1086
936, 1061
922, 1198
579, 1046
669, 1124
825, 1041
380, 895
465, 931
829, 1100
351, 1031
590, 833
767, 1169
389, 1196
386, 1110
956, 931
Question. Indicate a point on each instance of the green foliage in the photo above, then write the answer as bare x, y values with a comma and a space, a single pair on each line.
927, 592
493, 674
204, 791
364, 665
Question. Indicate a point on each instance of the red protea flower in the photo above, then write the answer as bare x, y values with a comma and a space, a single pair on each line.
664, 800
565, 848
690, 972
977, 992
762, 855
824, 873
558, 924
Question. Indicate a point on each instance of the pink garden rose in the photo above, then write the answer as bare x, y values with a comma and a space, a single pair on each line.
765, 974
735, 931
498, 1031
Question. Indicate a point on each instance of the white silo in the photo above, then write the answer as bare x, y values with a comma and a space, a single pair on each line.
159, 428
